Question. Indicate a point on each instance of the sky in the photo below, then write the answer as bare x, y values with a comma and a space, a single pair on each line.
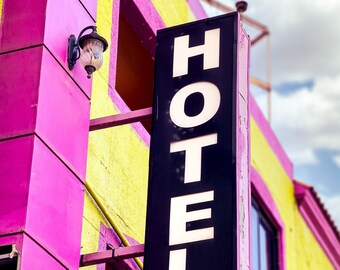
305, 76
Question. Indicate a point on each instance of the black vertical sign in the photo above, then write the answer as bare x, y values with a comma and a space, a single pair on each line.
191, 214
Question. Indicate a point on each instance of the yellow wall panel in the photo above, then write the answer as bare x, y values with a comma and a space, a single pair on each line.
302, 249
1, 2
100, 106
173, 12
117, 170
89, 242
117, 164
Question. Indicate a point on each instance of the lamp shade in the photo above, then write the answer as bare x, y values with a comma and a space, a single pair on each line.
92, 53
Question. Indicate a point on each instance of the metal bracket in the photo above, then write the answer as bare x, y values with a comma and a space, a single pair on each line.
111, 255
72, 52
120, 119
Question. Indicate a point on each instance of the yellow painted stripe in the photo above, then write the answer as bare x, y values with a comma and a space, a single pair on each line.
173, 12
1, 4
303, 251
117, 164
92, 216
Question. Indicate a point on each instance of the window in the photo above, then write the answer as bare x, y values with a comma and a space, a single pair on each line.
135, 64
264, 245
8, 257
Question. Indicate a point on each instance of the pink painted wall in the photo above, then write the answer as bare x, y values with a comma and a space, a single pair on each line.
197, 9
44, 132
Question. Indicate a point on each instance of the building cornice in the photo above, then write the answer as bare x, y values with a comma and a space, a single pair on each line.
319, 221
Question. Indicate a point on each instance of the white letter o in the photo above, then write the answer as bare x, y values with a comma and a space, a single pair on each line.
212, 99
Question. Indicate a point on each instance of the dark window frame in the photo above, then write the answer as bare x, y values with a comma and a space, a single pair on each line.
271, 238
9, 259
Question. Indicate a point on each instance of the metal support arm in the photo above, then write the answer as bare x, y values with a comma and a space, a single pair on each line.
111, 255
120, 119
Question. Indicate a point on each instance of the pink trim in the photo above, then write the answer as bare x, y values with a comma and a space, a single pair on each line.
149, 12
115, 97
265, 199
316, 218
243, 145
145, 20
271, 137
140, 11
197, 9
114, 47
123, 108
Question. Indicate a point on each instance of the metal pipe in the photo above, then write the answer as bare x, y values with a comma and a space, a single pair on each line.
269, 99
111, 221
111, 255
120, 119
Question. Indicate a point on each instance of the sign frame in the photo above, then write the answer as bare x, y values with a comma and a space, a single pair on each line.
199, 218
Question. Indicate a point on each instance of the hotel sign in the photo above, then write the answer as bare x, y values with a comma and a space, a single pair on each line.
192, 196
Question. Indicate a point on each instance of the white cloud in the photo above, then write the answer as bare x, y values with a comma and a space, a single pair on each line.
308, 119
332, 204
304, 39
303, 156
336, 159
304, 47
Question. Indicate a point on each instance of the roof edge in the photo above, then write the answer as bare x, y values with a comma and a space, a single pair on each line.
319, 221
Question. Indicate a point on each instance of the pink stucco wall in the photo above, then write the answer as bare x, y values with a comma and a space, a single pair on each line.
44, 132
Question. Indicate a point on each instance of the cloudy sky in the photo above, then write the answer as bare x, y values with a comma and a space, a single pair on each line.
305, 75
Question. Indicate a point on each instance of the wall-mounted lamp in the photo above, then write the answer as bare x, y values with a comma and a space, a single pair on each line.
91, 55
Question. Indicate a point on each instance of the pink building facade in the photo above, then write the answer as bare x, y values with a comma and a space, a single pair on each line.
49, 161
44, 134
